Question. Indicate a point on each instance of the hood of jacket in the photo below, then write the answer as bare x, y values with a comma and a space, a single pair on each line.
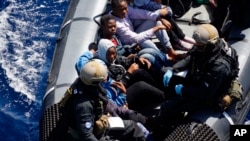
103, 47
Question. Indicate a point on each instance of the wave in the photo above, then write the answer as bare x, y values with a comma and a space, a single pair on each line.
25, 38
28, 33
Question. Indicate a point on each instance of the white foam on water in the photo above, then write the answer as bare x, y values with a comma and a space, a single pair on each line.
28, 31
21, 58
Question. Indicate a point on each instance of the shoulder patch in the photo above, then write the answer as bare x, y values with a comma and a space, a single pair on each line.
88, 125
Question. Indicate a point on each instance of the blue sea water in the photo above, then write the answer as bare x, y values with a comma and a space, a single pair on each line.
28, 33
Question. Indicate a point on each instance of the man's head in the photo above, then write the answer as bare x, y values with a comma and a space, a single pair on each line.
94, 72
119, 8
108, 25
93, 46
205, 33
107, 51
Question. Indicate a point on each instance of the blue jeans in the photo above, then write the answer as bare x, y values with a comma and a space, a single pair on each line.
161, 35
155, 57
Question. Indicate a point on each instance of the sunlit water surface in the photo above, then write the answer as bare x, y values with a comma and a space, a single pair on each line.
28, 32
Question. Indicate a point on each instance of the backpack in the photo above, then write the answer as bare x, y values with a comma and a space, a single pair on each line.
234, 89
232, 57
179, 7
226, 54
229, 55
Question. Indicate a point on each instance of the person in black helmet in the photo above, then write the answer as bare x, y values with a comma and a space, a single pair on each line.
91, 114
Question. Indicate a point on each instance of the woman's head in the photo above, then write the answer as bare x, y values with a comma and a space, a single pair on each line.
107, 51
119, 8
108, 25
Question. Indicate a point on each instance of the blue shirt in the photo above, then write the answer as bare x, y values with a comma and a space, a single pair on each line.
113, 93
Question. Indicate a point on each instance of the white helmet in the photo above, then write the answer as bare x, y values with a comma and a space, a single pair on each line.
94, 72
205, 33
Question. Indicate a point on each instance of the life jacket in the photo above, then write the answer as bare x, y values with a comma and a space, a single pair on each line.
232, 90
219, 51
230, 55
79, 90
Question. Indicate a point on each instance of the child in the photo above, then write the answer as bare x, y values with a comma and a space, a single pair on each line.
108, 31
154, 25
108, 26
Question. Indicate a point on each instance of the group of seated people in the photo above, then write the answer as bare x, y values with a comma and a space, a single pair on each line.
125, 74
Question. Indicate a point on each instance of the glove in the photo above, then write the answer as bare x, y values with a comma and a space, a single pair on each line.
178, 89
167, 76
101, 125
225, 101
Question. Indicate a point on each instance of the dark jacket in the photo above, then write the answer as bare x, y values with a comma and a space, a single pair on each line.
88, 104
208, 73
118, 70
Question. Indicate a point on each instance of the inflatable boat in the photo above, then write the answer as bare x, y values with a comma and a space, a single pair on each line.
79, 29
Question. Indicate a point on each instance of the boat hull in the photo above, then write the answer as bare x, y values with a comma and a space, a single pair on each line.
79, 29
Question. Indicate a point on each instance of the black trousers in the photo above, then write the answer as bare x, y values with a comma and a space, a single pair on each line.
142, 75
143, 96
220, 13
176, 33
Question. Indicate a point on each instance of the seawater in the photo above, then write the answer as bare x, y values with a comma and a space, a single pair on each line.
28, 33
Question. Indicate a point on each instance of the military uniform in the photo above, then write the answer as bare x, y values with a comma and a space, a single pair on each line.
86, 106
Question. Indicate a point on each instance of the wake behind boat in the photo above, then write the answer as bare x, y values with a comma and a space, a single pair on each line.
79, 29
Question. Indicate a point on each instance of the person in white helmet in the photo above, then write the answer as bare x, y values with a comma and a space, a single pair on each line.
209, 75
91, 113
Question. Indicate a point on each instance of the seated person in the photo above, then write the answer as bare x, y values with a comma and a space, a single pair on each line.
154, 25
156, 57
209, 76
108, 31
127, 84
88, 113
178, 39
127, 70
